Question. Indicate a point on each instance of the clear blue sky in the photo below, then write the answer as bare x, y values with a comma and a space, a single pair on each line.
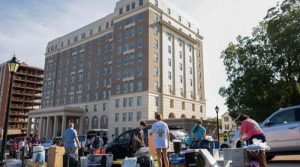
27, 25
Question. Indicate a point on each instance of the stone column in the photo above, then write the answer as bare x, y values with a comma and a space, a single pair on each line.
47, 126
34, 126
55, 127
40, 126
29, 126
80, 125
63, 124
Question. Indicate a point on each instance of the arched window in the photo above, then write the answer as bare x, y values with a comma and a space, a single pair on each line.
193, 117
183, 116
104, 122
95, 123
85, 124
171, 115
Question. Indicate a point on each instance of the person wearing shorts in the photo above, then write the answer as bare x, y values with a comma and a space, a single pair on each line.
161, 140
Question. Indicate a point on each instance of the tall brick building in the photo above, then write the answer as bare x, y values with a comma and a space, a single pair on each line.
143, 58
26, 94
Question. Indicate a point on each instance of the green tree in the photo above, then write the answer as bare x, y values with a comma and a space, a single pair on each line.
264, 69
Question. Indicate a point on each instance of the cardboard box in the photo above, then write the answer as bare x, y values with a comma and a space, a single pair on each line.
55, 156
238, 156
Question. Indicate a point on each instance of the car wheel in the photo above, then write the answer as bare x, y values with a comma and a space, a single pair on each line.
113, 153
270, 157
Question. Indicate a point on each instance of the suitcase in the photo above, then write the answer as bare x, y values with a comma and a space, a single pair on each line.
190, 160
145, 161
70, 160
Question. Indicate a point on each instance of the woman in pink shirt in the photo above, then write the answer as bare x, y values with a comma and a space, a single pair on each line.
250, 130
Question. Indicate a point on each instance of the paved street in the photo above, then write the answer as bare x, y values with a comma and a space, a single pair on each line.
285, 161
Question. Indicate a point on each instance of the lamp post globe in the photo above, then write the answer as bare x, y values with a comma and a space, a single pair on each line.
13, 66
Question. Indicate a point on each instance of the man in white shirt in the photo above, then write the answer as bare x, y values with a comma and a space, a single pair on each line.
161, 139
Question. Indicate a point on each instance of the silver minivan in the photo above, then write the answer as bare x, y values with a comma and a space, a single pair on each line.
282, 130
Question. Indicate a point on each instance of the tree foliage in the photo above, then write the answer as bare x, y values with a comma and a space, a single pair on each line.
264, 69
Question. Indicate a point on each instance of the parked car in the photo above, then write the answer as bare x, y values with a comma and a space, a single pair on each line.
46, 143
15, 145
122, 145
282, 130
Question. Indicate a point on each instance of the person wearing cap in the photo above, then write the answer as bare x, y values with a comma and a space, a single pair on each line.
198, 132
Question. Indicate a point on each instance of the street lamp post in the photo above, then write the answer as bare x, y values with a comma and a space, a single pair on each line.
217, 111
13, 66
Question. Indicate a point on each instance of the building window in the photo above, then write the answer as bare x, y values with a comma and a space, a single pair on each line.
125, 88
155, 57
95, 107
156, 101
180, 78
155, 18
141, 2
181, 92
169, 49
116, 117
140, 85
95, 123
140, 29
180, 66
120, 10
169, 11
140, 43
155, 86
104, 106
133, 5
131, 87
180, 54
124, 116
155, 71
169, 62
183, 105
226, 119
193, 107
139, 101
191, 71
170, 88
140, 56
86, 108
155, 44
130, 104
179, 18
124, 102
117, 103
82, 35
138, 116
155, 30
140, 71
116, 131
201, 109
171, 103
156, 2
130, 116
118, 89
169, 75
127, 8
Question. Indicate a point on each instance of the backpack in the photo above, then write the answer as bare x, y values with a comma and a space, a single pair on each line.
96, 142
145, 161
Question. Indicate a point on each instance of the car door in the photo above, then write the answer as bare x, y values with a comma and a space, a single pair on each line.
297, 110
122, 144
281, 131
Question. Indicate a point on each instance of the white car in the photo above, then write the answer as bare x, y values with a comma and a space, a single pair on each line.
282, 130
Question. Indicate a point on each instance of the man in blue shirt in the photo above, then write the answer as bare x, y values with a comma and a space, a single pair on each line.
71, 141
197, 132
